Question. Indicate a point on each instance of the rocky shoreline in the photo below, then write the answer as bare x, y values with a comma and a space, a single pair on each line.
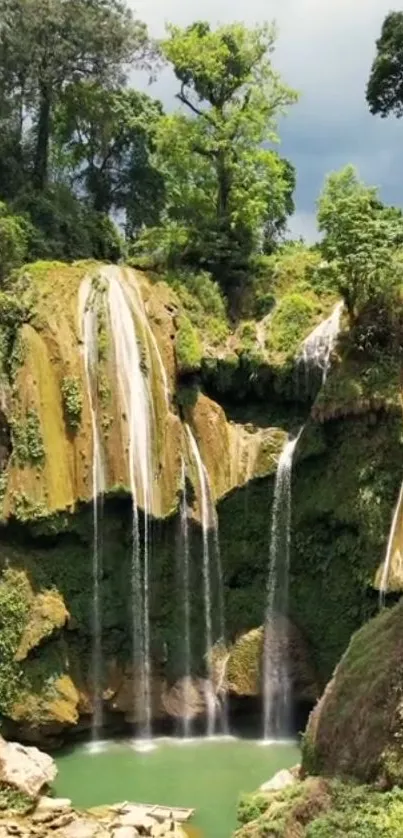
27, 810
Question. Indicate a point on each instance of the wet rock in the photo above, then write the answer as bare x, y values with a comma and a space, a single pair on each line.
26, 769
52, 804
280, 781
137, 818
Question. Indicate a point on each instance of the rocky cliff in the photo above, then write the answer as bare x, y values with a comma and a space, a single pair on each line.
240, 390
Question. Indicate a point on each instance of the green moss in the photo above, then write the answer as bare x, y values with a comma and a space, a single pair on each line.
14, 608
360, 386
322, 809
203, 303
356, 729
13, 800
27, 440
72, 401
27, 510
188, 348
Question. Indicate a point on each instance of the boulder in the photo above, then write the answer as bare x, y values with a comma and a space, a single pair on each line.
244, 666
83, 828
355, 730
137, 818
26, 769
52, 804
186, 698
280, 781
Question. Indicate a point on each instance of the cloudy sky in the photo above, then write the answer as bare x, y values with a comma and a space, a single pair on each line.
325, 50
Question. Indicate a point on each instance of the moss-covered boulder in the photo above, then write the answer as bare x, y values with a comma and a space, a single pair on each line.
245, 664
356, 730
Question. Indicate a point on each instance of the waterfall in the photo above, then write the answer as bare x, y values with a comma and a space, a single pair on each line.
187, 653
88, 332
136, 403
383, 587
317, 348
138, 306
209, 524
276, 686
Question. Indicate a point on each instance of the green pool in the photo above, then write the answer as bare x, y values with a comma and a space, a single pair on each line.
206, 775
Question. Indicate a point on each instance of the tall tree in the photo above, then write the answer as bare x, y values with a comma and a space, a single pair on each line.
47, 44
103, 141
222, 184
361, 241
385, 86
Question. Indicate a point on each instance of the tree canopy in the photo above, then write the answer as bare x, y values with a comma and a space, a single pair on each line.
361, 240
224, 187
385, 86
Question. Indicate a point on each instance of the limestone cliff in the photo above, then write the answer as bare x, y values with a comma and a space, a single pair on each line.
240, 390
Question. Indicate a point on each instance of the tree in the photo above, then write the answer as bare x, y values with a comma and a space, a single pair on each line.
222, 185
14, 235
361, 241
47, 44
103, 139
275, 227
385, 86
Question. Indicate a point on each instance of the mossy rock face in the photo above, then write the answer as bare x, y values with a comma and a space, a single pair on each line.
321, 808
245, 663
356, 729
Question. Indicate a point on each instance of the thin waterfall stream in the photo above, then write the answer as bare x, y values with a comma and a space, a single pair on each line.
187, 650
88, 330
276, 682
136, 402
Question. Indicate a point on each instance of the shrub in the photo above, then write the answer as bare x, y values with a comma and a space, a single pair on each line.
187, 346
72, 401
14, 231
290, 323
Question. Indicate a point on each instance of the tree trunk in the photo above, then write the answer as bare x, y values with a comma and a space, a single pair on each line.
224, 186
40, 176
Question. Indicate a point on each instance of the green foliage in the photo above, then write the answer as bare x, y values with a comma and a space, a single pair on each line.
323, 809
49, 45
222, 187
203, 303
292, 320
26, 439
63, 228
104, 139
14, 606
14, 232
13, 800
361, 241
385, 86
72, 401
250, 807
188, 348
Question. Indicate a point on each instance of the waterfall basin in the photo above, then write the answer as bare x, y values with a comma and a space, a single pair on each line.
208, 775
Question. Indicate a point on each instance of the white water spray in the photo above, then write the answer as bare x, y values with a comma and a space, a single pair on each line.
383, 588
136, 402
88, 331
276, 684
317, 348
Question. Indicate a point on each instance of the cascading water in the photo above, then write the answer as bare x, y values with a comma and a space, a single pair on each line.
205, 522
136, 402
88, 330
187, 652
209, 523
383, 587
318, 346
276, 687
